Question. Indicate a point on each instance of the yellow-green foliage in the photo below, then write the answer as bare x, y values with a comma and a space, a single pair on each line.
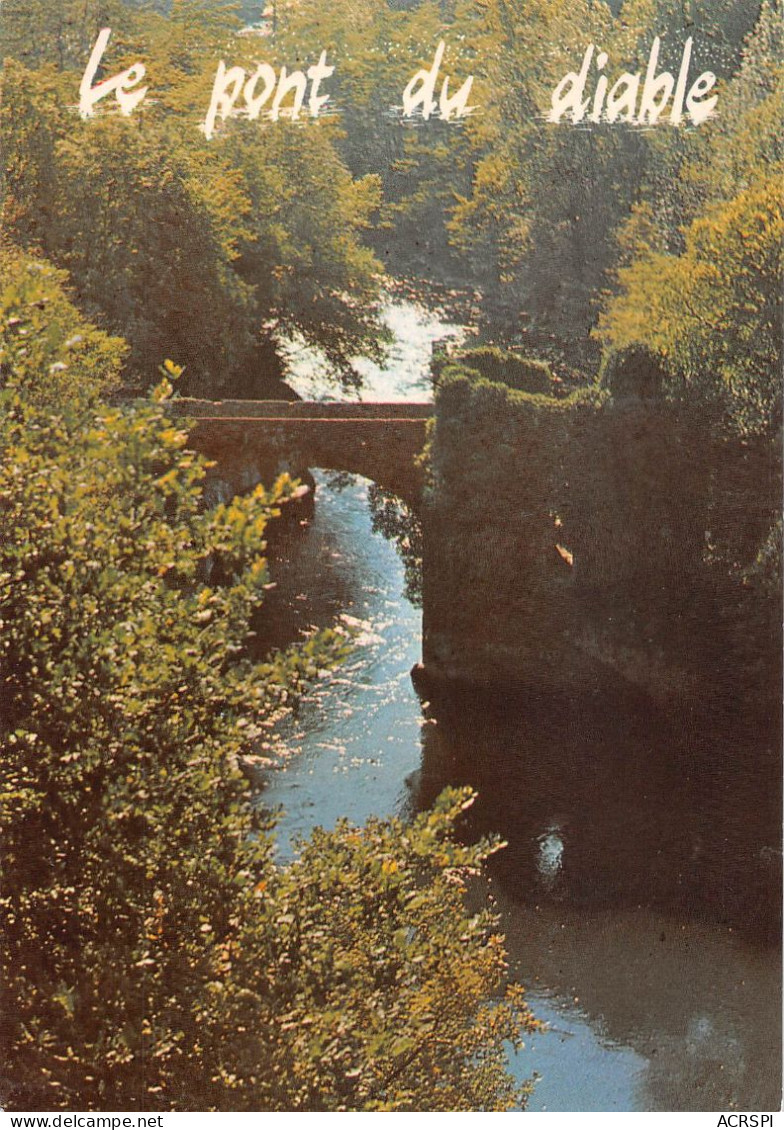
46, 346
465, 399
200, 251
714, 312
504, 367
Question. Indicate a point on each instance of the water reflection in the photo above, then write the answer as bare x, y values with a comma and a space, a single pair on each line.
550, 859
399, 524
607, 802
640, 888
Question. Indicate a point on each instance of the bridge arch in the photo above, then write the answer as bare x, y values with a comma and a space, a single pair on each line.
254, 441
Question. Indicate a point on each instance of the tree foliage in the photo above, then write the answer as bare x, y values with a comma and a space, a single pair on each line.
207, 252
714, 312
53, 354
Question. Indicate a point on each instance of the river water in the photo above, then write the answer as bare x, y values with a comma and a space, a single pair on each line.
639, 890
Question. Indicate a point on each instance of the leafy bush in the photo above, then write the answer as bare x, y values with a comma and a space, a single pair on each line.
503, 367
46, 346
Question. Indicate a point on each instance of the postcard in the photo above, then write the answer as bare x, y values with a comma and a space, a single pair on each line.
390, 557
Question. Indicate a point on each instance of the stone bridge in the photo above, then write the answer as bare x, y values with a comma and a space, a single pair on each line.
253, 441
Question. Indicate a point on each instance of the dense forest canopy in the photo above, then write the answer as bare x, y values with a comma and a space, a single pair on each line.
287, 224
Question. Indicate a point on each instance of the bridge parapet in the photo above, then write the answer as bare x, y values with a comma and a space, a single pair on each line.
300, 409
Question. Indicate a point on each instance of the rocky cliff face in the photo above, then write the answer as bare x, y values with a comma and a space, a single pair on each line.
569, 541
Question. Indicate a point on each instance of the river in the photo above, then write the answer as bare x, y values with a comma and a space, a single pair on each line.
639, 889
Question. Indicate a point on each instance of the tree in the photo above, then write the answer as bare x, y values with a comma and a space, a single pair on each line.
547, 203
301, 245
153, 221
40, 32
715, 311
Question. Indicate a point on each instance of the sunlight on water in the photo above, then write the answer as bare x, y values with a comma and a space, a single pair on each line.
404, 376
356, 738
579, 1069
550, 861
